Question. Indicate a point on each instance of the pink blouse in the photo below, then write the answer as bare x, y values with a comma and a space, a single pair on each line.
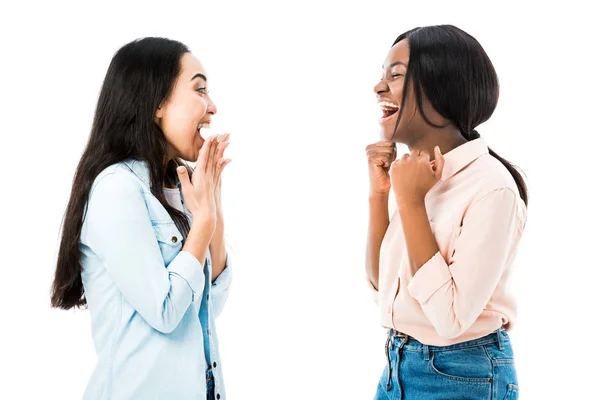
462, 292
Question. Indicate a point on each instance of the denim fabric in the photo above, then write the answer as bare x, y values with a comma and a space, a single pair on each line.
210, 385
481, 369
152, 305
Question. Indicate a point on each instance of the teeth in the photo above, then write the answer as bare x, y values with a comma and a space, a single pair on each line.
385, 104
200, 126
206, 132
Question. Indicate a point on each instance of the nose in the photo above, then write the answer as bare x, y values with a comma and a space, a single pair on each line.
212, 108
381, 87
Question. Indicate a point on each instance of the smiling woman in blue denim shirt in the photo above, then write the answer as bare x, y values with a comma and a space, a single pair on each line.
142, 242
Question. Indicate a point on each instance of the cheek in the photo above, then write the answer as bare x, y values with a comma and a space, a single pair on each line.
396, 88
183, 117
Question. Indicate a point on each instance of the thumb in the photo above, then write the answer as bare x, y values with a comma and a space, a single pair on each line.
184, 179
439, 162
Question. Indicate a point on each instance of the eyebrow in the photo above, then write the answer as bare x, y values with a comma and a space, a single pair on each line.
201, 76
392, 65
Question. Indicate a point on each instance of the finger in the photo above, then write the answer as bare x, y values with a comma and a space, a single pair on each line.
221, 149
222, 164
439, 162
383, 144
382, 157
215, 150
211, 154
203, 154
378, 155
394, 165
184, 179
381, 161
381, 150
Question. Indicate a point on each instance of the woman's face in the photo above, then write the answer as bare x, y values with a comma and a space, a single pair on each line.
188, 109
389, 92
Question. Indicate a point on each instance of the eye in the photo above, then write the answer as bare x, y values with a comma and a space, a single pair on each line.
396, 75
203, 91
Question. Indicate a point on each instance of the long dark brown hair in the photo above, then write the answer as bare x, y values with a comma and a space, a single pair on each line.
451, 70
140, 77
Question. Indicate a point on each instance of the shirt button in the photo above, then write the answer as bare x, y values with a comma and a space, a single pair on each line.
218, 396
215, 364
207, 297
174, 239
209, 331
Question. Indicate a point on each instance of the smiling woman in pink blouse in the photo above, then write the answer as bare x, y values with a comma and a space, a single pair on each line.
440, 265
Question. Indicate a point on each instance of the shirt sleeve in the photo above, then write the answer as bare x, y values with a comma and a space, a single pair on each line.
453, 294
119, 231
372, 291
220, 288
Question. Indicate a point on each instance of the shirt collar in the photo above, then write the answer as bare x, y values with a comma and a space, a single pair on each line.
140, 169
458, 158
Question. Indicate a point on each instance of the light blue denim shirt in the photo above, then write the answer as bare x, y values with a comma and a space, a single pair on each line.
152, 305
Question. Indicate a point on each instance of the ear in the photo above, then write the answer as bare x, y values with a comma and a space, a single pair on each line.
159, 112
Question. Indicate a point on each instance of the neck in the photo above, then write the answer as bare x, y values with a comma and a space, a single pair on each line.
447, 139
166, 182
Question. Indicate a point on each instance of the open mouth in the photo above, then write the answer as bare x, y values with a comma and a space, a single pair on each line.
389, 109
200, 127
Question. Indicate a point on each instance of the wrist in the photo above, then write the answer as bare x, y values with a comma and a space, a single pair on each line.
378, 196
410, 204
203, 222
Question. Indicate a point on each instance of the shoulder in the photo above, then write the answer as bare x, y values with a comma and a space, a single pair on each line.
491, 176
116, 180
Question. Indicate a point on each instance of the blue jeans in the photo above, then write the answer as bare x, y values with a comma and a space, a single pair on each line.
475, 370
210, 385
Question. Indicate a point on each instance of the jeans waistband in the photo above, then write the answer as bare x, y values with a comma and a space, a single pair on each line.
411, 344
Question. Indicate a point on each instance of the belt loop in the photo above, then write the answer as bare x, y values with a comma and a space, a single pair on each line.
400, 350
426, 352
388, 343
500, 339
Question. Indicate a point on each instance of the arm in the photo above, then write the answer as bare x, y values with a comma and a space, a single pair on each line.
217, 248
379, 157
454, 293
219, 290
120, 232
378, 224
420, 242
221, 268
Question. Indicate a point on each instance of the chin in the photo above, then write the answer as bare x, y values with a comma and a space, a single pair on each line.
386, 135
190, 158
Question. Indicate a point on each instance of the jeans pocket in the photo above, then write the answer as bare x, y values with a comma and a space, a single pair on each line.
512, 392
471, 365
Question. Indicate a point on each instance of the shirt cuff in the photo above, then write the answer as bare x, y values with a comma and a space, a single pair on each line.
188, 268
224, 278
434, 274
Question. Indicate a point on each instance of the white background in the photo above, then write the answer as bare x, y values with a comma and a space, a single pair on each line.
293, 84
